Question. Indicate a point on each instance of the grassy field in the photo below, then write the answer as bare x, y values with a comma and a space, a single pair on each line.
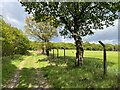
60, 73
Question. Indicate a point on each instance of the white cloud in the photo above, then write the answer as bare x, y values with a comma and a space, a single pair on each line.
8, 0
108, 35
106, 41
13, 13
67, 40
111, 41
12, 20
1, 7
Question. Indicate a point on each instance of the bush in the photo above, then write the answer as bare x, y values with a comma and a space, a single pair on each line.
13, 40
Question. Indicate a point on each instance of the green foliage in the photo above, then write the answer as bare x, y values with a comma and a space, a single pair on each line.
94, 47
117, 47
109, 47
35, 45
49, 45
61, 45
77, 17
40, 31
40, 45
13, 40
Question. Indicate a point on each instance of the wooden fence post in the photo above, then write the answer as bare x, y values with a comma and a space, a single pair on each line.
104, 56
53, 52
64, 54
105, 66
57, 53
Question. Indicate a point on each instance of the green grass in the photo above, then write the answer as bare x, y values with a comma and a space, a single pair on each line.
60, 73
89, 75
9, 66
27, 78
111, 55
28, 75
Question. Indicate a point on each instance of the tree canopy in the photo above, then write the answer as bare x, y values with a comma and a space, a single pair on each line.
41, 31
77, 17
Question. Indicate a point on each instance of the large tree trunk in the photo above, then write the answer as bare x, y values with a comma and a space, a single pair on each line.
46, 48
43, 47
47, 52
77, 38
43, 51
79, 51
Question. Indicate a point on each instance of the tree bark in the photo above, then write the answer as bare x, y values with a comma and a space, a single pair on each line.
47, 48
47, 52
43, 51
79, 51
77, 38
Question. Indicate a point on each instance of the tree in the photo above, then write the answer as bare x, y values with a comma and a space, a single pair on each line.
13, 40
40, 31
109, 47
116, 47
34, 45
78, 18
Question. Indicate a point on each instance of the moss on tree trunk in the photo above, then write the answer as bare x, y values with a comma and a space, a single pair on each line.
79, 52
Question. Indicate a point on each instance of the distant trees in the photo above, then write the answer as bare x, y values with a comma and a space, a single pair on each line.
87, 46
109, 47
95, 47
13, 40
35, 45
42, 31
61, 45
117, 47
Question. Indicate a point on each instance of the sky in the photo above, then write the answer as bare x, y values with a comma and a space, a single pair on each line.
15, 15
